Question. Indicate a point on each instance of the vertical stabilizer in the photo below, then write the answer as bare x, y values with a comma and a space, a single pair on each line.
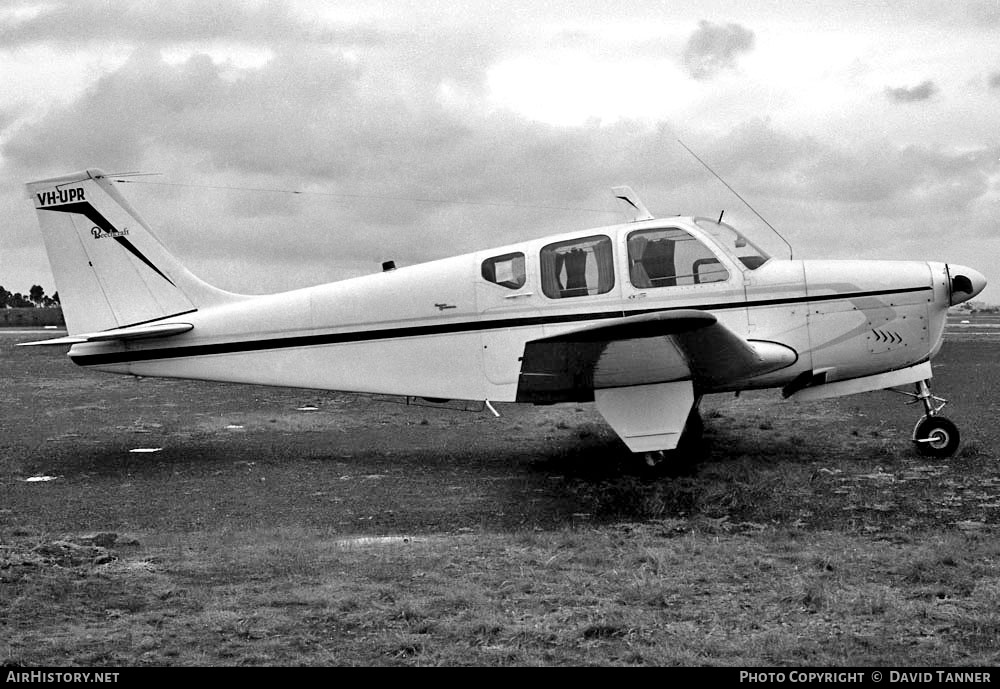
110, 269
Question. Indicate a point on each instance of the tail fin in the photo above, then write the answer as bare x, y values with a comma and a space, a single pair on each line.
110, 269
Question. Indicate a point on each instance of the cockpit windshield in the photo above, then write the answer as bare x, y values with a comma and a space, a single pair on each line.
734, 243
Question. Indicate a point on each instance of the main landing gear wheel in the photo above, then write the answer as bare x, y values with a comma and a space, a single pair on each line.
651, 460
936, 436
684, 457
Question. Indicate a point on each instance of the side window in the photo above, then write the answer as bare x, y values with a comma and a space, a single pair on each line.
671, 257
506, 270
578, 267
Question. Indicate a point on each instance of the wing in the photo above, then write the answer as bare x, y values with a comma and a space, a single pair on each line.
661, 347
645, 372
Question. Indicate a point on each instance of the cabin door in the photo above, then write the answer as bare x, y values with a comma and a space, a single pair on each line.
508, 301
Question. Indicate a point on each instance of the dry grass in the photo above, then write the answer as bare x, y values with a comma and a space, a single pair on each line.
632, 594
803, 535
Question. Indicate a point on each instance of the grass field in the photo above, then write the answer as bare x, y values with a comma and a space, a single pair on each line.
366, 533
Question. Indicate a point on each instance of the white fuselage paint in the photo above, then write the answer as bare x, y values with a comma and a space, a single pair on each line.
440, 330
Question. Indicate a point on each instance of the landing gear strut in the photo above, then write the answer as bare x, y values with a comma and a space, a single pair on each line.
933, 436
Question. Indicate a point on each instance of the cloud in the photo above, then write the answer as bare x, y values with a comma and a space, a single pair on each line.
157, 22
921, 92
379, 150
904, 181
395, 130
994, 80
893, 179
269, 117
715, 47
8, 115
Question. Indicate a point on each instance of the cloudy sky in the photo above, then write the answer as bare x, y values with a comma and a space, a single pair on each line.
425, 129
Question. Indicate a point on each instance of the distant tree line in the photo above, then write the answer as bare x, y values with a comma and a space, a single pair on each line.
36, 298
978, 307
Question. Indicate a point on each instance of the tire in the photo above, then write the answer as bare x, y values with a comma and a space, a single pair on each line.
936, 436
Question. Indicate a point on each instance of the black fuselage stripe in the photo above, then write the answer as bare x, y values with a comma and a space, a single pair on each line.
440, 329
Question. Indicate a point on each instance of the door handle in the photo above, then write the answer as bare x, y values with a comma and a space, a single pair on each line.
517, 296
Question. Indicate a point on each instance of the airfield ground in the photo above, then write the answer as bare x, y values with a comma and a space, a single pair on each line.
253, 530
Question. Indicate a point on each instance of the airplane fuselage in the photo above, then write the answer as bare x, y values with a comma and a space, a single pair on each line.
450, 329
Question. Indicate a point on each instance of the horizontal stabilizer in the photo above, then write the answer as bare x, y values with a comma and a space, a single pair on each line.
135, 332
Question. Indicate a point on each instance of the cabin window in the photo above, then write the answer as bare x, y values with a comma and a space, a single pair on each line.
506, 271
750, 255
578, 267
669, 258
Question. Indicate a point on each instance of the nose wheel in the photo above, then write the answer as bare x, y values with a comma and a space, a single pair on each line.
934, 435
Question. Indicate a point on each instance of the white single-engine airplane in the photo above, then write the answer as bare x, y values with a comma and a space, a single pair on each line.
643, 318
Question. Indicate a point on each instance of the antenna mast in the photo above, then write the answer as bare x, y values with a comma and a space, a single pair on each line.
736, 194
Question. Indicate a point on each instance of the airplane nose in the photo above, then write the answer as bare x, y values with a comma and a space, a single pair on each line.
965, 283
